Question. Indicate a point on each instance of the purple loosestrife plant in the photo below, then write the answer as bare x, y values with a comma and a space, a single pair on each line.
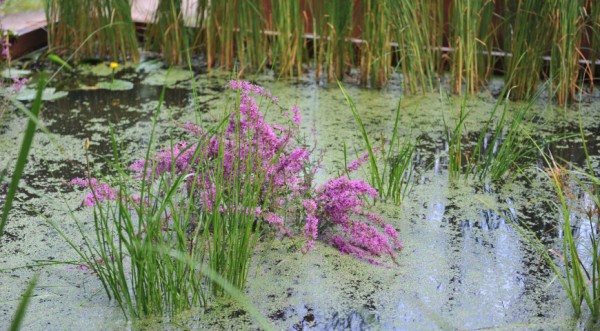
273, 158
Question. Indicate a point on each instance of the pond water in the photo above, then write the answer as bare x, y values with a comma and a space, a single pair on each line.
462, 266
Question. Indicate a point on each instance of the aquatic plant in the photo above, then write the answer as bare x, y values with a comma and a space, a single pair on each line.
525, 36
376, 50
393, 179
504, 144
289, 42
212, 197
454, 140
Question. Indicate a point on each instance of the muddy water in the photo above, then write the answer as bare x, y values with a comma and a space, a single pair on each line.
462, 267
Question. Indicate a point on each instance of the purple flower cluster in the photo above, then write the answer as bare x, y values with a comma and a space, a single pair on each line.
251, 150
353, 230
99, 191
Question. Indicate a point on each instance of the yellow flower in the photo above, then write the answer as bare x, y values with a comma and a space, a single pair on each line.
114, 65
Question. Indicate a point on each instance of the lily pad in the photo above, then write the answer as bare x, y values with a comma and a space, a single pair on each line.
101, 69
115, 85
167, 78
49, 94
10, 73
149, 66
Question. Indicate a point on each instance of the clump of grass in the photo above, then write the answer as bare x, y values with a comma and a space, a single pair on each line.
472, 36
525, 36
338, 26
567, 24
419, 34
393, 179
454, 140
376, 54
289, 43
95, 28
504, 145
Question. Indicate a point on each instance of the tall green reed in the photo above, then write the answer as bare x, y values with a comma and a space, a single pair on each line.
220, 33
525, 35
109, 22
375, 51
252, 43
339, 26
23, 153
289, 43
567, 27
472, 39
593, 37
419, 34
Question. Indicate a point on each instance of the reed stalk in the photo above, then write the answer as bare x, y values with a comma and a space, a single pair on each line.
375, 51
471, 38
339, 27
252, 43
567, 25
525, 35
418, 30
289, 43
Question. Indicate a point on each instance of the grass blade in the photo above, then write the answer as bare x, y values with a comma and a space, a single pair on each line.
22, 158
20, 313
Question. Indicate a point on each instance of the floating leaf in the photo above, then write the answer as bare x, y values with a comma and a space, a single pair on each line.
149, 66
101, 69
12, 73
115, 85
49, 94
167, 78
